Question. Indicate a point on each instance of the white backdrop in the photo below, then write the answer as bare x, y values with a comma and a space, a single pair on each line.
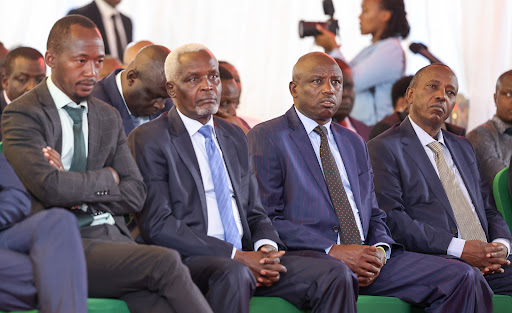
260, 38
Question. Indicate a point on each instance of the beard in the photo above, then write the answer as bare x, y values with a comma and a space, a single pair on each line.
212, 109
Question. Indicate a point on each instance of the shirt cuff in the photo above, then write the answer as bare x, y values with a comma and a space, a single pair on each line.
262, 242
233, 253
504, 241
387, 248
455, 247
327, 250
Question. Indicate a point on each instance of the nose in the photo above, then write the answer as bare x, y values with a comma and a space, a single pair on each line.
159, 103
328, 88
206, 85
31, 84
441, 94
91, 70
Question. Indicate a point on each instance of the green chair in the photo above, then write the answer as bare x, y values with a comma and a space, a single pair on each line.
99, 306
502, 195
1, 147
501, 303
365, 304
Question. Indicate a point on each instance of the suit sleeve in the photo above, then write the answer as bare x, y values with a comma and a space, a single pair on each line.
413, 234
156, 221
271, 180
25, 131
14, 200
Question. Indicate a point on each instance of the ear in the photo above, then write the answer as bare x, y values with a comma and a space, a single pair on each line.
4, 81
495, 99
293, 89
409, 95
131, 76
49, 59
385, 16
169, 86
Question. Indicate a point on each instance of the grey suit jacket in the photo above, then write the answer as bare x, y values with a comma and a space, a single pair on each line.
175, 213
32, 122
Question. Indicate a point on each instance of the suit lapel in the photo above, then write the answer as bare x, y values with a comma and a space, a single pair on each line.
110, 87
412, 146
52, 113
94, 123
305, 150
183, 145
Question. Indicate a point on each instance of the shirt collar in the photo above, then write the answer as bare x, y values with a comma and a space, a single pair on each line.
192, 125
120, 88
7, 100
423, 136
60, 98
105, 8
309, 124
500, 124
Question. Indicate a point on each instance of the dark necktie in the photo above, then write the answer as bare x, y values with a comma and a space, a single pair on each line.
220, 184
349, 233
79, 160
118, 38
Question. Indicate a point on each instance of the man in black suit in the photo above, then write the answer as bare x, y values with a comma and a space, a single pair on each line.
116, 28
69, 150
138, 92
203, 201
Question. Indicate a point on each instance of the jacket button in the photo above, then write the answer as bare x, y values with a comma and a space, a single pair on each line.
335, 229
454, 230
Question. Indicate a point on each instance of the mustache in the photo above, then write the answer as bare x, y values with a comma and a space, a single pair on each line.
87, 82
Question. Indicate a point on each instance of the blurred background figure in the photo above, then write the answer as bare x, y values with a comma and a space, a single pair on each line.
116, 28
379, 65
342, 116
110, 64
132, 49
3, 54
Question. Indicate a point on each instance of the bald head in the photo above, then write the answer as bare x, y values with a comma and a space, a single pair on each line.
505, 76
428, 68
307, 61
132, 49
144, 81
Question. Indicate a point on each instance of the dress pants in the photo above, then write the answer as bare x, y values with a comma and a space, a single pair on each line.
150, 279
321, 285
430, 282
42, 265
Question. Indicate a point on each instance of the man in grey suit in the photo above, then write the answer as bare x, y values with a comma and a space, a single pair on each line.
45, 141
203, 201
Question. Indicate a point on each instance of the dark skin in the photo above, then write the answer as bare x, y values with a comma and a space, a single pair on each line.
431, 99
317, 92
196, 93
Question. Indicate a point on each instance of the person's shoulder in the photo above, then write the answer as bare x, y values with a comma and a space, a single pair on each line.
274, 124
229, 128
390, 135
481, 130
83, 9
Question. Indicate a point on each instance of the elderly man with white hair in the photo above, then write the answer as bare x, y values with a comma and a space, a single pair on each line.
203, 201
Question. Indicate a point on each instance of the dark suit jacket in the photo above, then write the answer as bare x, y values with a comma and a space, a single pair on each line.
91, 11
3, 105
106, 90
32, 122
361, 128
409, 190
175, 213
14, 200
293, 187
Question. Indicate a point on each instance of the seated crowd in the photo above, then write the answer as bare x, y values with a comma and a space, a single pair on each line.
297, 207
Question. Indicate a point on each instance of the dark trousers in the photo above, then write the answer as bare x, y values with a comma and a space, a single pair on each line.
148, 278
320, 285
42, 265
430, 282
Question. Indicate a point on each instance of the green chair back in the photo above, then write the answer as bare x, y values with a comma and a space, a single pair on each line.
99, 306
502, 196
1, 147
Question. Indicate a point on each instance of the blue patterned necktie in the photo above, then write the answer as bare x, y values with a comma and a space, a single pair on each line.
220, 184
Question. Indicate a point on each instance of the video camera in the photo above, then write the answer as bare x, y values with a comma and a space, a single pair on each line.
309, 28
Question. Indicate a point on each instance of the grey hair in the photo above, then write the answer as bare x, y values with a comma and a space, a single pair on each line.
172, 61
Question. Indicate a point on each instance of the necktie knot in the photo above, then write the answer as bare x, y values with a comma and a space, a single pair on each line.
75, 113
206, 131
436, 147
320, 130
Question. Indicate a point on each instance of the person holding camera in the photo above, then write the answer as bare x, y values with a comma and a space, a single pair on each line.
379, 65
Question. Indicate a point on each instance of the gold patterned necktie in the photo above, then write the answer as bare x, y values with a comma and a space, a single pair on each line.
467, 220
349, 233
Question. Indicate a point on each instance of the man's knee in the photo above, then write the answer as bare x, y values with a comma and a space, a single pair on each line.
234, 273
56, 220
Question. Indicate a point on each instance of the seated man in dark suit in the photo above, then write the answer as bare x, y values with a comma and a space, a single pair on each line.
342, 116
401, 109
69, 150
24, 69
138, 92
428, 182
115, 28
203, 201
33, 249
316, 185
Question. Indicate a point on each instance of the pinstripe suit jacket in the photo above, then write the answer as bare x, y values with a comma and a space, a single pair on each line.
293, 189
32, 122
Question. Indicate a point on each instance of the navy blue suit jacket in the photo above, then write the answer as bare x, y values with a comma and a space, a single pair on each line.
106, 90
14, 199
175, 213
293, 188
409, 190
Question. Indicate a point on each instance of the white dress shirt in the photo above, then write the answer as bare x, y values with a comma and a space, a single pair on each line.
61, 100
215, 228
106, 11
137, 120
7, 100
309, 125
457, 244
